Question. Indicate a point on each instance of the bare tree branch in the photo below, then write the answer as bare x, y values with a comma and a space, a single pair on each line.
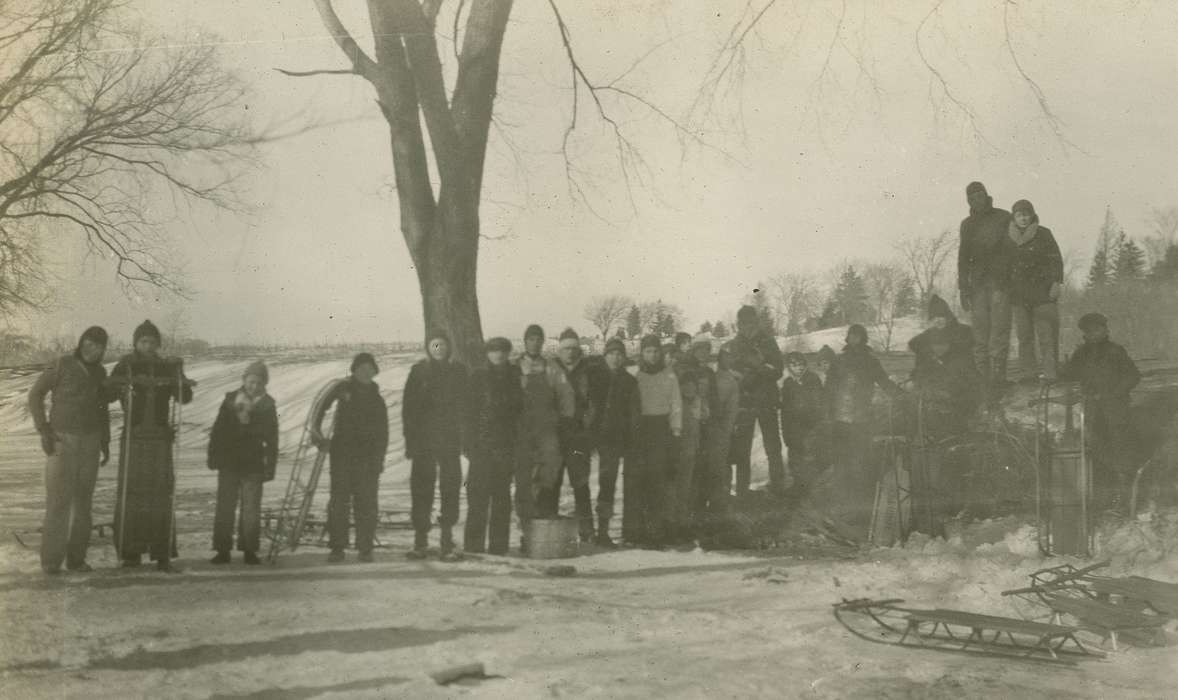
361, 62
326, 71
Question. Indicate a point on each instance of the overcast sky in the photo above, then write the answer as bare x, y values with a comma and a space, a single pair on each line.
844, 143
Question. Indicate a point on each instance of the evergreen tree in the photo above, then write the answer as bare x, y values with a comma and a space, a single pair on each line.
1100, 272
705, 327
634, 323
1129, 263
907, 302
830, 315
720, 330
665, 326
793, 327
1166, 269
850, 298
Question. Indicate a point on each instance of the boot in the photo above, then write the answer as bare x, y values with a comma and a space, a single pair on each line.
251, 559
603, 538
584, 513
336, 556
420, 545
221, 558
449, 553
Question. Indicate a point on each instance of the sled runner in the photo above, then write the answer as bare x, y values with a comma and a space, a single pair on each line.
885, 622
292, 516
1064, 490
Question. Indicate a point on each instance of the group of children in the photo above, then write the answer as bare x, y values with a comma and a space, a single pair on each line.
678, 429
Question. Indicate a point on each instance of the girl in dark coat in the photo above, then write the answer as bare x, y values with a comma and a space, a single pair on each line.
243, 449
432, 418
1036, 276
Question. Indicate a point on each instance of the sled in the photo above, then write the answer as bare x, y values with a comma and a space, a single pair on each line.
292, 517
885, 622
1063, 491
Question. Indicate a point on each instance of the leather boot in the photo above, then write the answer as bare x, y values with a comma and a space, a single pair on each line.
603, 538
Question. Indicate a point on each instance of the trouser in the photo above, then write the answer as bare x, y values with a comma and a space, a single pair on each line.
854, 478
746, 422
681, 495
1037, 326
488, 497
354, 485
1112, 443
575, 459
234, 489
645, 482
70, 473
536, 467
803, 455
427, 474
609, 460
717, 477
990, 315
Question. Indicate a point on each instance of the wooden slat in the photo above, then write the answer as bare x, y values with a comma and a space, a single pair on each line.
1105, 615
989, 622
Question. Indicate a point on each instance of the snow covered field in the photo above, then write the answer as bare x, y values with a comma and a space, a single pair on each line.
628, 624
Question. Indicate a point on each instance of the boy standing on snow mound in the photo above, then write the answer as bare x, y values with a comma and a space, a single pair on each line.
1106, 375
983, 279
146, 384
548, 399
432, 415
803, 405
493, 406
576, 434
76, 441
615, 433
644, 515
357, 448
243, 450
757, 361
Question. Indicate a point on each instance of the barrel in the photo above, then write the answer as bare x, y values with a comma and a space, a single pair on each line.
557, 538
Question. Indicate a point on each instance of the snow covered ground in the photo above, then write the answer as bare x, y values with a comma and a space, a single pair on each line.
628, 624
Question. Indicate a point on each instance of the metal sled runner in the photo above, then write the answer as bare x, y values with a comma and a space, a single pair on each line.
885, 622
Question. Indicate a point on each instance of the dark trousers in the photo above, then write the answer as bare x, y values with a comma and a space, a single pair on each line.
574, 459
1112, 444
991, 316
234, 490
746, 422
70, 473
427, 471
854, 477
802, 443
609, 460
646, 482
354, 485
488, 493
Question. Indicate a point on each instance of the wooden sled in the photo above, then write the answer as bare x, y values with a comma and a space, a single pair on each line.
885, 622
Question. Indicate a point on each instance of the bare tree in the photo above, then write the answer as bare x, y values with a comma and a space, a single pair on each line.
886, 283
103, 137
797, 297
1163, 232
607, 311
925, 258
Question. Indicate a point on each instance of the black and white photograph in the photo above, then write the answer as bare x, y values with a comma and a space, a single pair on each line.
588, 348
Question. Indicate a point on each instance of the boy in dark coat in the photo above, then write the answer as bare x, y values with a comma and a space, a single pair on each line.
148, 385
1106, 375
493, 405
757, 362
358, 445
945, 326
576, 433
947, 384
243, 450
615, 433
803, 406
432, 417
983, 278
76, 441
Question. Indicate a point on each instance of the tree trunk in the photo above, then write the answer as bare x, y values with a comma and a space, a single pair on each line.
447, 264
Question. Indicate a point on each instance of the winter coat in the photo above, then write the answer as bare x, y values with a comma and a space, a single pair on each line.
803, 406
950, 390
759, 361
619, 409
584, 378
1105, 371
137, 365
851, 384
432, 410
548, 396
361, 424
658, 394
79, 402
983, 253
245, 448
1034, 267
493, 405
960, 338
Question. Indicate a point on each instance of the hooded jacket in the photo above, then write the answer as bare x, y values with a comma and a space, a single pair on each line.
79, 401
959, 335
851, 384
1034, 266
433, 407
249, 447
982, 252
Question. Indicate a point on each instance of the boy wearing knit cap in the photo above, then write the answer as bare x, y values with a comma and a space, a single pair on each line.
432, 416
359, 441
615, 434
1106, 375
983, 279
76, 441
1036, 277
576, 434
493, 405
243, 450
803, 407
757, 361
660, 423
548, 401
147, 386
